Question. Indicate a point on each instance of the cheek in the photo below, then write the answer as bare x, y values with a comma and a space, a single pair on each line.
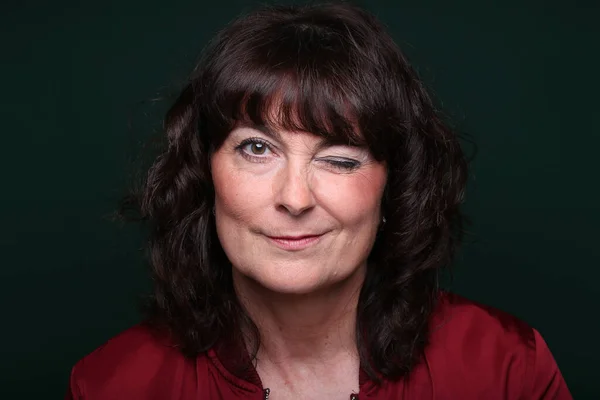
237, 196
355, 199
232, 197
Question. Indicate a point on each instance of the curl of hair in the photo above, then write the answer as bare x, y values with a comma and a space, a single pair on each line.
331, 70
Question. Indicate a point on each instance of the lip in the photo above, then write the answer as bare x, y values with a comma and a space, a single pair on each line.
295, 243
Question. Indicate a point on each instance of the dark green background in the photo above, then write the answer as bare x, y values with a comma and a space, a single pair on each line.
521, 78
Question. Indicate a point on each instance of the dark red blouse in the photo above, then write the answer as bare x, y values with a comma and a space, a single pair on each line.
475, 352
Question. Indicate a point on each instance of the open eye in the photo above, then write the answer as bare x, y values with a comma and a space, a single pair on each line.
254, 148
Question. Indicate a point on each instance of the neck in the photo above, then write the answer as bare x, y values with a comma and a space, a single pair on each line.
308, 328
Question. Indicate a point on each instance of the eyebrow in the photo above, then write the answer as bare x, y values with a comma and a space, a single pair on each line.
323, 144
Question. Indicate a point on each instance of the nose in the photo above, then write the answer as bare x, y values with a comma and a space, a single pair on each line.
293, 191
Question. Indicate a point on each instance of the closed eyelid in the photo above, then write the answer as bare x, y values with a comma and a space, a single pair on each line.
358, 154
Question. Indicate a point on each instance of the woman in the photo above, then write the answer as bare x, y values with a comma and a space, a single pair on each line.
301, 214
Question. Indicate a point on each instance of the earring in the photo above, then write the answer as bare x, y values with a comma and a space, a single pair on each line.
383, 221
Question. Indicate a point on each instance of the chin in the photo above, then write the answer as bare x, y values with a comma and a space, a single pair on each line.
293, 278
281, 280
300, 281
292, 286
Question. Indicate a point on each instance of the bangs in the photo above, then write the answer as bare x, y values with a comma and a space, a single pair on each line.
297, 105
293, 77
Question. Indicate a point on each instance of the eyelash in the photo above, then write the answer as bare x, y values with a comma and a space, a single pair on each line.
240, 149
344, 164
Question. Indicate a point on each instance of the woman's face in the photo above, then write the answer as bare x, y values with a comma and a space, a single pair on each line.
292, 213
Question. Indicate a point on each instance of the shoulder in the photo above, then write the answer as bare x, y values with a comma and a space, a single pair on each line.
132, 364
494, 349
458, 318
469, 337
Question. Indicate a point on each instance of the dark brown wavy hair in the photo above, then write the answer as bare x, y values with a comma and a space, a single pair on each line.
331, 70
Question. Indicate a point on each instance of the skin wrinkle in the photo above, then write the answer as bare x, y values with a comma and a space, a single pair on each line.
359, 91
304, 303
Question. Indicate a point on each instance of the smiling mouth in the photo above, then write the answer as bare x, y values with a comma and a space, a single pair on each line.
295, 243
